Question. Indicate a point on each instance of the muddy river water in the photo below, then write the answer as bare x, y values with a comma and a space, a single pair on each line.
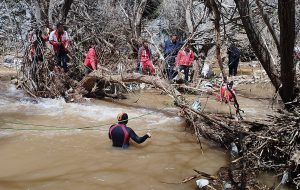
45, 157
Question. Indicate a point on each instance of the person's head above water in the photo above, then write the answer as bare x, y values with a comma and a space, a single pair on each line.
123, 118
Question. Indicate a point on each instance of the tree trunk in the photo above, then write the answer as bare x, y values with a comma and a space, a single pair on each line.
65, 10
36, 9
188, 15
286, 14
257, 42
43, 11
137, 24
217, 16
267, 22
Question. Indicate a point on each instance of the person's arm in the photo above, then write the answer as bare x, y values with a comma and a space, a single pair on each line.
136, 138
66, 41
228, 51
165, 47
109, 136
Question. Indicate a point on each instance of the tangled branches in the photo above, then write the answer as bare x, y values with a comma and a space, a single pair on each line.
272, 147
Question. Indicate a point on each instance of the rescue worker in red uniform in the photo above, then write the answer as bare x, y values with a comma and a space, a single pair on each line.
60, 41
225, 94
184, 61
91, 60
120, 134
145, 58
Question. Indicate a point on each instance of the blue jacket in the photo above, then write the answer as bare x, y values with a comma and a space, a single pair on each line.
172, 48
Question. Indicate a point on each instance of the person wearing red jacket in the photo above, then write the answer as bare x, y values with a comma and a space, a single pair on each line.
225, 95
60, 41
184, 61
145, 58
91, 60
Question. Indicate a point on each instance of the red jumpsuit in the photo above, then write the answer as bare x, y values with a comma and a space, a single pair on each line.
91, 59
145, 59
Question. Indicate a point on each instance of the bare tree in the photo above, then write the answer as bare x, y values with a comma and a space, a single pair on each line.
257, 42
44, 11
286, 13
217, 18
286, 83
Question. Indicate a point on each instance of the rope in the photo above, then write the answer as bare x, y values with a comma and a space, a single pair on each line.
60, 128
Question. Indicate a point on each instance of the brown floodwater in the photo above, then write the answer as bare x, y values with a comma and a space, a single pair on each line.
47, 157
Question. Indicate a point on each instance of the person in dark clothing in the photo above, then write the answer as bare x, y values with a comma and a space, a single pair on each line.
171, 49
234, 58
120, 134
38, 41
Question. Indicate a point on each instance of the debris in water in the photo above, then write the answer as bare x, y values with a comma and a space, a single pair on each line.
285, 177
202, 183
196, 105
234, 149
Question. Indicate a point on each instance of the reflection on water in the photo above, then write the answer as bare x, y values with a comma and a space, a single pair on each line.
81, 159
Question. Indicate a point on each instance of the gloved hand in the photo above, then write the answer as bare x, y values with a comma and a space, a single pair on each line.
149, 135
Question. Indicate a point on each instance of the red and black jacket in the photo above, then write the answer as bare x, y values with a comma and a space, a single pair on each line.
120, 135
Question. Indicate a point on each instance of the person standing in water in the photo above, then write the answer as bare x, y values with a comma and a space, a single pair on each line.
120, 134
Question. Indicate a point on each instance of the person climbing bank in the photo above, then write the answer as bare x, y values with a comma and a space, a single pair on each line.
120, 134
91, 60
